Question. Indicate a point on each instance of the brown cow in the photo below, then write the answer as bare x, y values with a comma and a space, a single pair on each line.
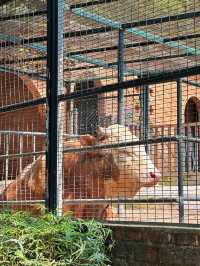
107, 173
84, 174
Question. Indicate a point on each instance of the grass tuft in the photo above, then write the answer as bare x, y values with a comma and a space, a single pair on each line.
52, 241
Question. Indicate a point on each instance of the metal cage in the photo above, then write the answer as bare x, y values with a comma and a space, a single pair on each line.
100, 109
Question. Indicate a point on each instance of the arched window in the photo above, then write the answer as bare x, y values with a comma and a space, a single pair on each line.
192, 110
192, 128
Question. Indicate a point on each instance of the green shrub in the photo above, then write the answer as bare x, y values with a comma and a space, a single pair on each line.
50, 240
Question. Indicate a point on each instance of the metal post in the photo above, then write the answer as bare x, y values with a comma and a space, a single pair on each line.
169, 154
121, 109
20, 152
70, 121
7, 160
144, 105
180, 151
62, 112
34, 147
163, 152
55, 15
121, 69
146, 114
75, 116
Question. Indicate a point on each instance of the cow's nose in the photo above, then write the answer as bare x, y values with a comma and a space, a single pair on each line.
155, 175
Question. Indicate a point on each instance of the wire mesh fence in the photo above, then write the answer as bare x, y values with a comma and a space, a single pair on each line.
100, 108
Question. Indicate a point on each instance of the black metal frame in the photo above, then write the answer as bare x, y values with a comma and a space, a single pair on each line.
121, 71
53, 49
180, 151
145, 114
105, 29
156, 58
44, 11
159, 77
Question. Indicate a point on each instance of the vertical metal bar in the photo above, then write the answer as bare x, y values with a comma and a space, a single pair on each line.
187, 144
190, 149
145, 114
7, 160
175, 153
121, 100
34, 147
193, 151
121, 69
75, 115
169, 154
141, 120
55, 17
198, 147
1, 148
20, 152
61, 108
186, 151
163, 152
197, 151
71, 111
156, 160
180, 151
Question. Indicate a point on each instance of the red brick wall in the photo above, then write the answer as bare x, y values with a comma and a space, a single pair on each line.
138, 245
15, 89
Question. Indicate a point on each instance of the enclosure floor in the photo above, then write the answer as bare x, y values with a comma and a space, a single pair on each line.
167, 192
160, 212
167, 212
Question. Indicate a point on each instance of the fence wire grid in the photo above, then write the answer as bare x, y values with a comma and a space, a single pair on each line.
100, 109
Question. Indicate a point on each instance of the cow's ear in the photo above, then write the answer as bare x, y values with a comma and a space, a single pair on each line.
101, 134
87, 140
